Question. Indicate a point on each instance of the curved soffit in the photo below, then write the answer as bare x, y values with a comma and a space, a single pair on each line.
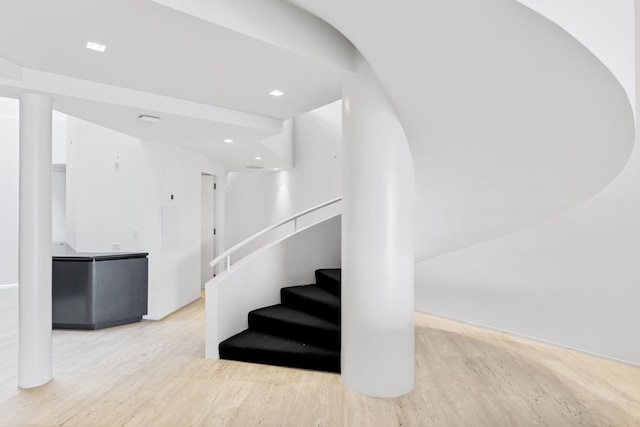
509, 119
607, 29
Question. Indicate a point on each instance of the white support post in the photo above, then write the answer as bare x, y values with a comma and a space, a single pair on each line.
35, 361
377, 243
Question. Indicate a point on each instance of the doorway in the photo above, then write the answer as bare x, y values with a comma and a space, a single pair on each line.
208, 231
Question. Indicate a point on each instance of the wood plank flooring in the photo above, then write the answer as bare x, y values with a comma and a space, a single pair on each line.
154, 374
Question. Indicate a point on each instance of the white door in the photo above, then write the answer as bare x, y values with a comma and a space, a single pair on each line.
207, 249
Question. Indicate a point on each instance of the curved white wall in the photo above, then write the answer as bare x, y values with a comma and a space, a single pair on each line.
572, 280
604, 27
510, 120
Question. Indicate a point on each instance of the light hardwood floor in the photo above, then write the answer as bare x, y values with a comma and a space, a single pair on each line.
154, 374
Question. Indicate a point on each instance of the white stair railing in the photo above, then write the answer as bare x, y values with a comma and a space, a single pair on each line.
226, 255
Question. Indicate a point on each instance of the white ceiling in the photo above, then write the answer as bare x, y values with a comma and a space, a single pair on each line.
158, 50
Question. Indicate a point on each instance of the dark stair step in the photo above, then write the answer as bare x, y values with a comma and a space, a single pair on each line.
329, 279
257, 347
312, 299
297, 325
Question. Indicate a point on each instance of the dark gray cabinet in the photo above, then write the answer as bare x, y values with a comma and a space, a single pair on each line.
94, 291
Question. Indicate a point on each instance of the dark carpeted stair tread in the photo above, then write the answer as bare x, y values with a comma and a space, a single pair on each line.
312, 299
294, 324
257, 347
302, 332
329, 279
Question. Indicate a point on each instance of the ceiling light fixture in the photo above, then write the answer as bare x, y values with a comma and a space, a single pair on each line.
96, 46
149, 119
258, 158
228, 141
276, 92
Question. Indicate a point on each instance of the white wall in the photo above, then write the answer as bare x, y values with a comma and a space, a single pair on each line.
9, 128
257, 200
117, 187
59, 138
573, 280
108, 182
9, 163
59, 204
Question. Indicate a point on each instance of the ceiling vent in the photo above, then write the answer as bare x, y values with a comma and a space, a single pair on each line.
255, 167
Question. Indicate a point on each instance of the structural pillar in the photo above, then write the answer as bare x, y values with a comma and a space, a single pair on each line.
378, 357
34, 266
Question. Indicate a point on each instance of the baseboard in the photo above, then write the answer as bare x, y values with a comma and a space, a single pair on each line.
539, 340
164, 316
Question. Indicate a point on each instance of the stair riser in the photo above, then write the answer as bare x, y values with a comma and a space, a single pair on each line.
315, 336
324, 311
328, 281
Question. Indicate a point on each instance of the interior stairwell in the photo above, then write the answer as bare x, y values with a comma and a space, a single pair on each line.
303, 331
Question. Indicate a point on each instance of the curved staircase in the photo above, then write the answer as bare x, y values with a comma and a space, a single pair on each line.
303, 331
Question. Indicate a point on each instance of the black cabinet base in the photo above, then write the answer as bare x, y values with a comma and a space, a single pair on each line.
94, 326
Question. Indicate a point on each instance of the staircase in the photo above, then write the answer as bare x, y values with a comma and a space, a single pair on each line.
303, 331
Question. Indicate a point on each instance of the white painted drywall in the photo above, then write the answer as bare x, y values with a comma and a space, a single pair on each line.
117, 187
9, 128
258, 200
108, 178
9, 146
59, 204
604, 27
207, 226
256, 280
59, 138
572, 280
281, 145
275, 22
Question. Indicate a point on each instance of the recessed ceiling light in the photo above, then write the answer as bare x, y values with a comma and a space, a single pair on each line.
96, 46
149, 119
276, 169
258, 158
228, 141
276, 92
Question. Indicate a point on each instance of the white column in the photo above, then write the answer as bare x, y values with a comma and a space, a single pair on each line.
34, 267
377, 243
